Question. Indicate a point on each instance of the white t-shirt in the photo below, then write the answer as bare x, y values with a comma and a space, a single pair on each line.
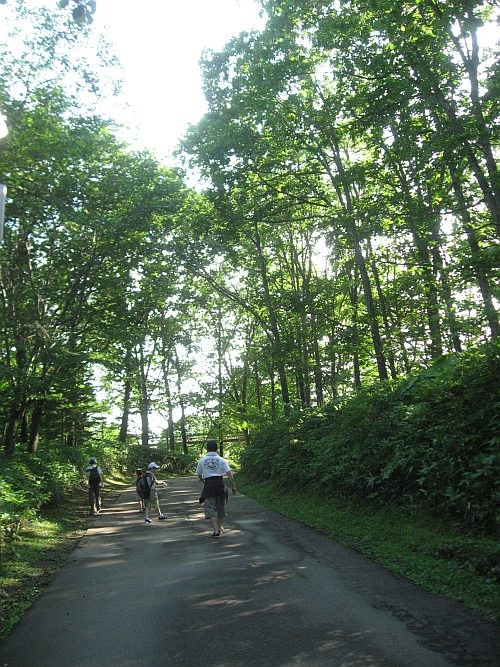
212, 465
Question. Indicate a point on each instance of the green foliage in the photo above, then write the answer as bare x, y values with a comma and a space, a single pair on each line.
428, 441
170, 462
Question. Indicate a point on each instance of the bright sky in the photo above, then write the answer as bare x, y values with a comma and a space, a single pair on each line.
159, 43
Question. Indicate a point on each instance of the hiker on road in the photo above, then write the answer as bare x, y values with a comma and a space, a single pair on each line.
138, 484
94, 476
211, 470
148, 490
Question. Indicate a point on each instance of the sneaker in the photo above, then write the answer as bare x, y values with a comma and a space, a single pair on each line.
161, 517
147, 520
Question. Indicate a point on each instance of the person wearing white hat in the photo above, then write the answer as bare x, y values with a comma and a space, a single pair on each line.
151, 496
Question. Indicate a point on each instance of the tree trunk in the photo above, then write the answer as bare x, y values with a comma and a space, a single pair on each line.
36, 420
477, 263
181, 403
438, 262
371, 311
170, 407
353, 292
144, 411
317, 370
277, 344
383, 312
10, 430
345, 195
417, 211
429, 87
258, 389
127, 391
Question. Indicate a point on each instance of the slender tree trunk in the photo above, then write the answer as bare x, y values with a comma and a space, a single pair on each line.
24, 429
181, 403
355, 336
244, 401
144, 411
431, 293
273, 319
10, 430
317, 370
488, 181
333, 364
477, 262
490, 184
36, 420
344, 192
127, 391
417, 212
438, 262
383, 312
170, 407
401, 338
220, 385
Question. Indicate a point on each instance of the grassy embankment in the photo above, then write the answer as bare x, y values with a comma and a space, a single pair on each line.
43, 546
425, 549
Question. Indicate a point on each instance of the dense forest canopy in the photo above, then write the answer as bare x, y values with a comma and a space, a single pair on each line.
346, 232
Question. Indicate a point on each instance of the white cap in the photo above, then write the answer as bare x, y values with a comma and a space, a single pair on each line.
152, 465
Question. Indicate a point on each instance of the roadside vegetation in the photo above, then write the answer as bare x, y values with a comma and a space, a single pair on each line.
405, 472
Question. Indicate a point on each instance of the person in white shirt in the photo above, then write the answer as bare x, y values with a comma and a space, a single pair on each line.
211, 470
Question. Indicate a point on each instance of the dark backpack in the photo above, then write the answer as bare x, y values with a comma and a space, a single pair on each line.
143, 486
94, 476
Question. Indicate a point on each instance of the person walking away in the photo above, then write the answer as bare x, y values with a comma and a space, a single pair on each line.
150, 493
139, 474
211, 470
94, 475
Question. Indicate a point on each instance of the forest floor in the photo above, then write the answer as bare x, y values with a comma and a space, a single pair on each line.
428, 551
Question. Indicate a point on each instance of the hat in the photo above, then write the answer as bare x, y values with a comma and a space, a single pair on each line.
92, 460
152, 465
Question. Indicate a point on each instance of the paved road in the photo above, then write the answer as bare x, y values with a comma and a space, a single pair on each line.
269, 592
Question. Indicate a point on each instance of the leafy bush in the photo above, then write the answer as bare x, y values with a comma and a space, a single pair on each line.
171, 462
15, 510
429, 440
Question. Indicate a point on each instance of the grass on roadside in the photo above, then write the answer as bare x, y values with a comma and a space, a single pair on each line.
426, 550
42, 548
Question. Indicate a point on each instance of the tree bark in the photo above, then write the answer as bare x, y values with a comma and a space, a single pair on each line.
36, 420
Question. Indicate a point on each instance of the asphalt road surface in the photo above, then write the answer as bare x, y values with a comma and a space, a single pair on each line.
269, 592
